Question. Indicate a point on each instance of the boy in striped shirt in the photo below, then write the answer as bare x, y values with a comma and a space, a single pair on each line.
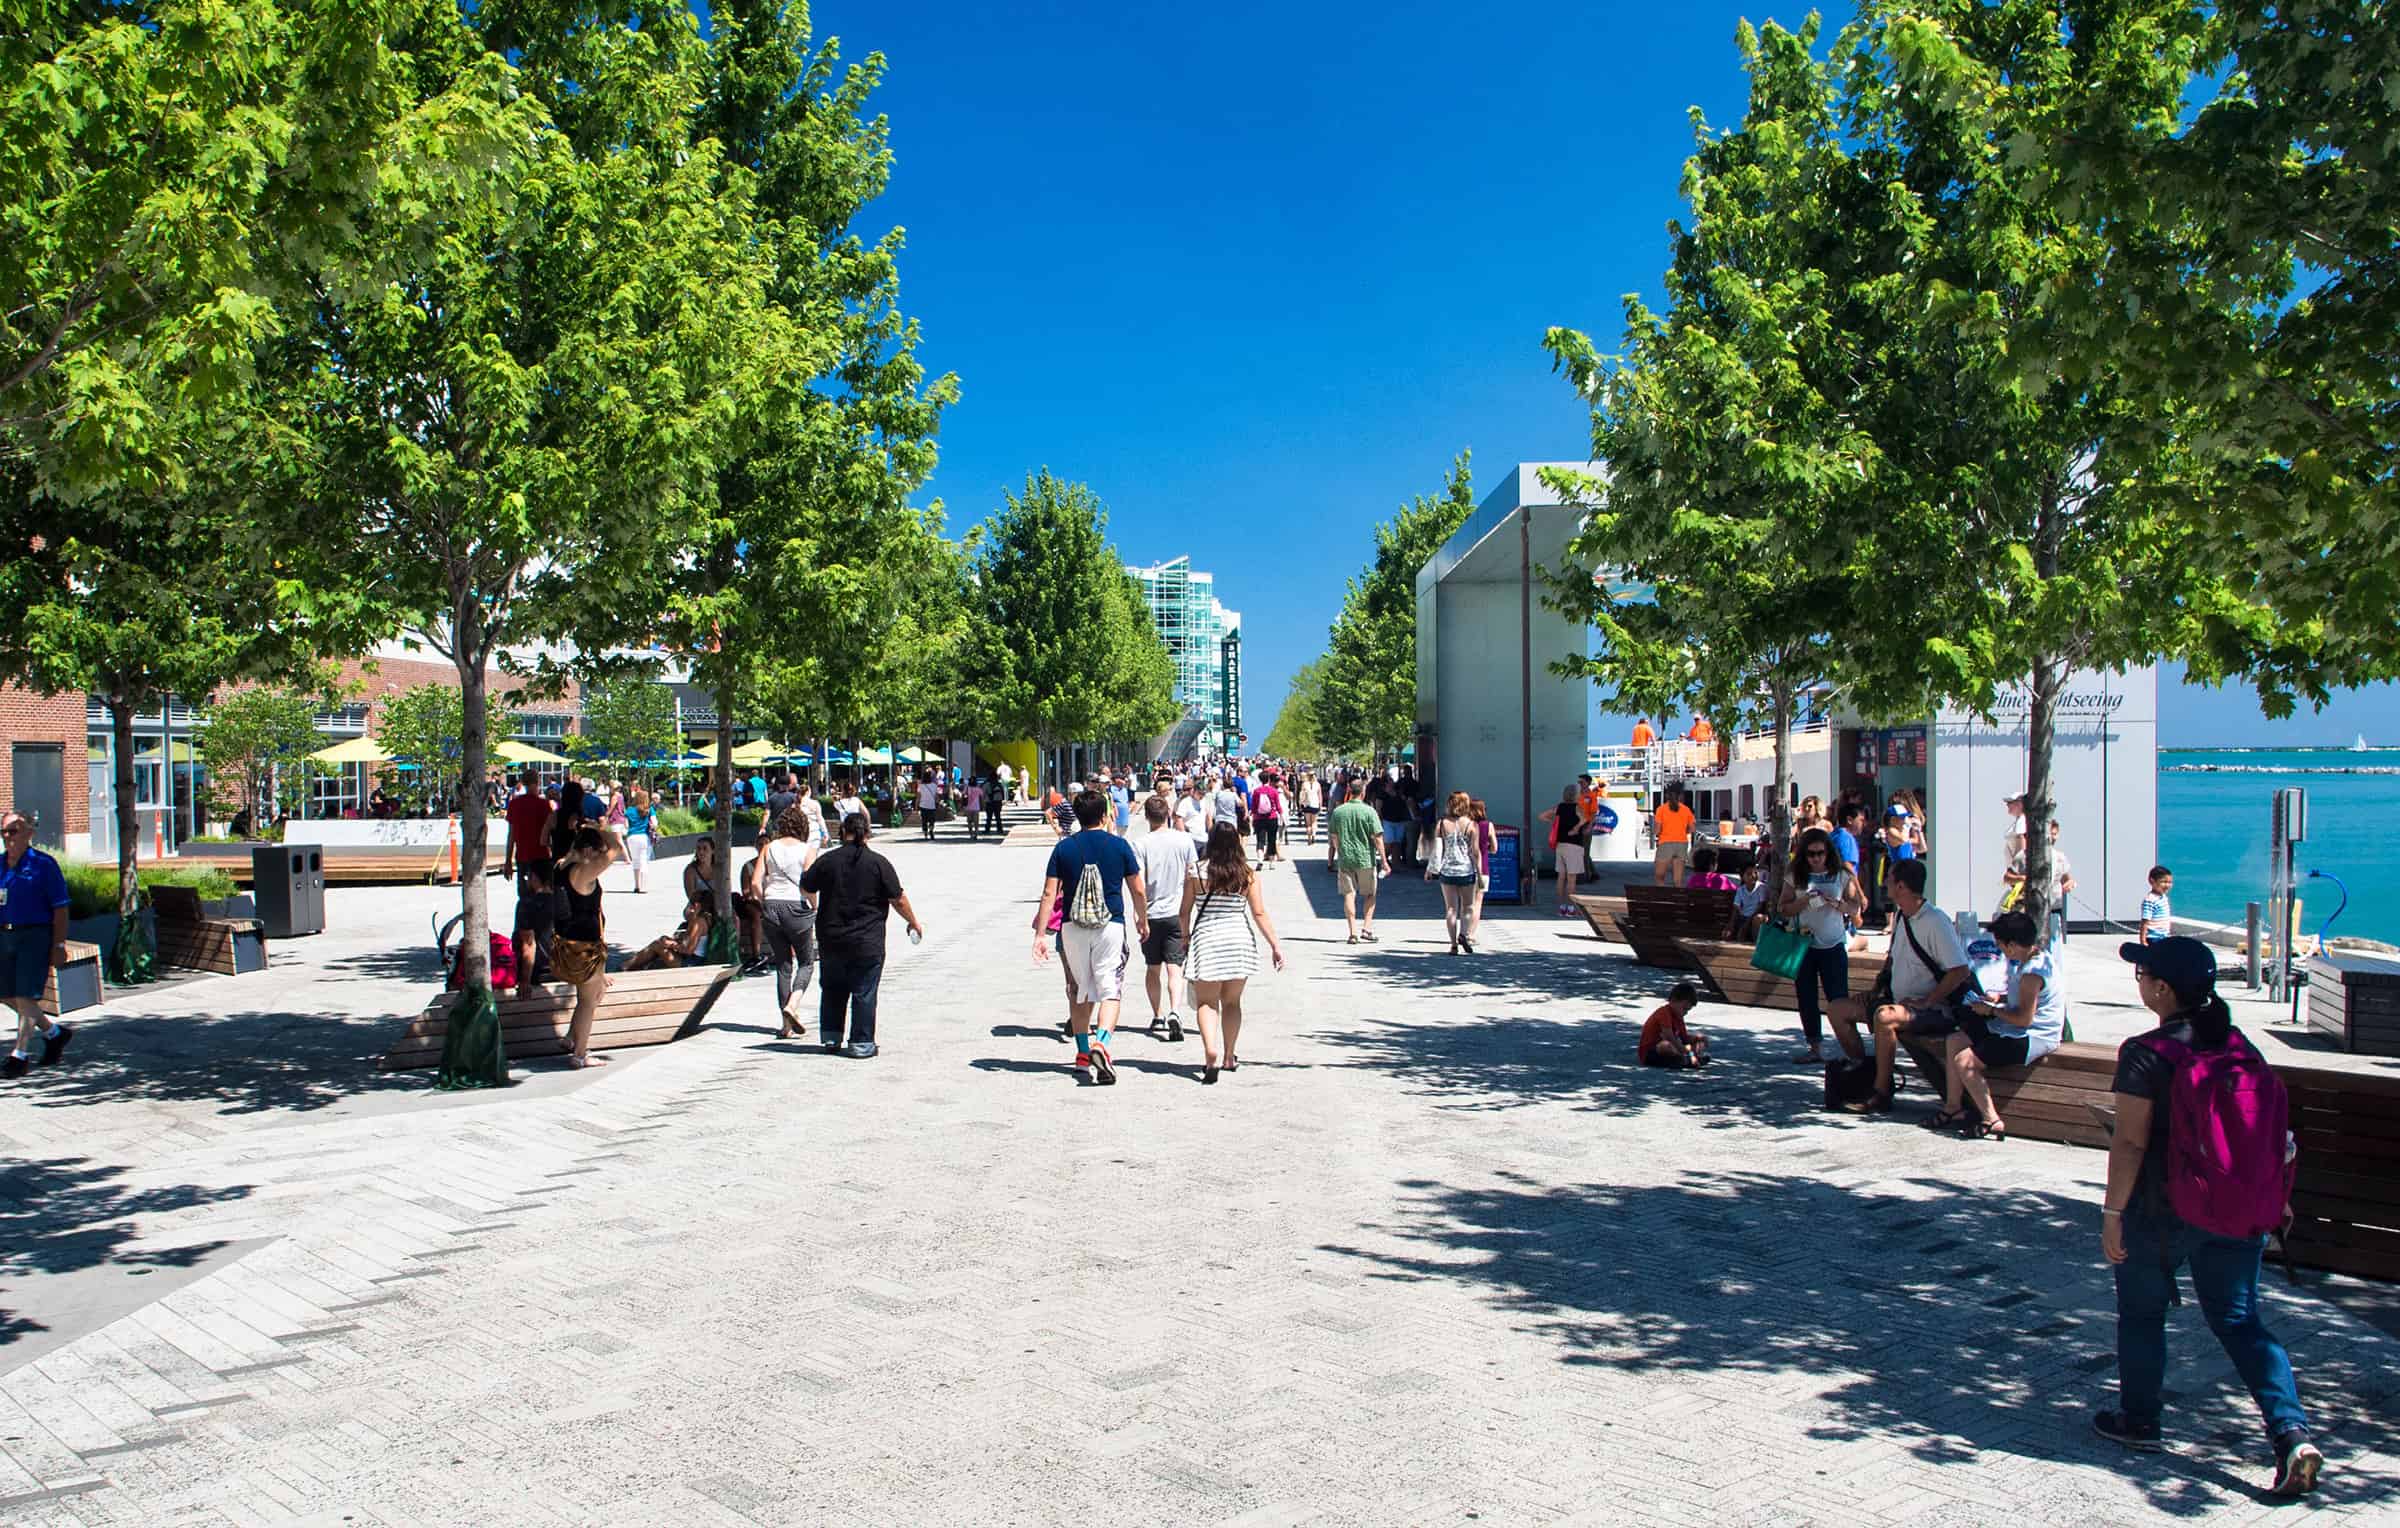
2157, 917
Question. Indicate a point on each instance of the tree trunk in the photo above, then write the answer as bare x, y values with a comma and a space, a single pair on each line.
1779, 810
2041, 732
722, 829
474, 895
129, 827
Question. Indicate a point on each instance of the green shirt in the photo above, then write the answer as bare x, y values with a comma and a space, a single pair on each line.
1356, 832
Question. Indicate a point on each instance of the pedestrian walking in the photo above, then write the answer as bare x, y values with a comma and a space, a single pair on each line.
1226, 911
1312, 804
2199, 1171
1266, 817
971, 806
641, 821
1168, 860
1098, 873
929, 805
580, 953
1567, 844
1825, 897
1487, 839
1453, 865
857, 890
1358, 854
33, 940
789, 914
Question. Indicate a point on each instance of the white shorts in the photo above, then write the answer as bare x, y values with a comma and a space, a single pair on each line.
1095, 961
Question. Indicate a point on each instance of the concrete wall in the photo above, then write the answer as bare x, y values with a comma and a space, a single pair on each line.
2106, 779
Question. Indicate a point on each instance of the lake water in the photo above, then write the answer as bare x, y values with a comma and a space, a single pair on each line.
2213, 831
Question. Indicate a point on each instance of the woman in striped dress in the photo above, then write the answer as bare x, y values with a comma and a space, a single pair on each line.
1224, 912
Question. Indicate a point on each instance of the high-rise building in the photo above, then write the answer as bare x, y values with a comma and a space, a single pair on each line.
1200, 634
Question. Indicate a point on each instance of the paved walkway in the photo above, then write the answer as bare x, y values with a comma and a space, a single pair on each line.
1438, 1252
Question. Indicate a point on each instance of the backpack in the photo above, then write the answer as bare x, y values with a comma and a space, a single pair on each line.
1089, 907
2228, 1123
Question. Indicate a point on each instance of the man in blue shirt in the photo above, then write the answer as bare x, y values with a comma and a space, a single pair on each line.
33, 938
1845, 836
1095, 951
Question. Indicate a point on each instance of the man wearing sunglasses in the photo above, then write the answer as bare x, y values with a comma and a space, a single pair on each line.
33, 939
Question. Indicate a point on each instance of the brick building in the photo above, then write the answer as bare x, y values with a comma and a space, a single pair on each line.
49, 774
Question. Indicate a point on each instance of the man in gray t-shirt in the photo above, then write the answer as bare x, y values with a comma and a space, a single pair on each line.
1926, 969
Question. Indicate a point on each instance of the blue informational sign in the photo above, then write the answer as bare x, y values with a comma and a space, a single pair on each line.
1505, 864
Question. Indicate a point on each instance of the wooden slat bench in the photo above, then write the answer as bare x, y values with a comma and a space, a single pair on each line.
2052, 1100
189, 937
640, 1008
1658, 918
1606, 915
2346, 1200
345, 865
1725, 970
77, 984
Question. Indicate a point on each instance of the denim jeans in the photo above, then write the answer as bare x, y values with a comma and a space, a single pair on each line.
1829, 968
847, 984
2225, 1280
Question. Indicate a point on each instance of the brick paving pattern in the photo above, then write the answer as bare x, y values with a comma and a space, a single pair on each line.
1438, 1252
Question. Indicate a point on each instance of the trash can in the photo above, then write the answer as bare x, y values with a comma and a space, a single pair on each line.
287, 881
1505, 883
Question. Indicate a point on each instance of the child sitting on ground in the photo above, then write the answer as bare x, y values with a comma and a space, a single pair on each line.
1665, 1040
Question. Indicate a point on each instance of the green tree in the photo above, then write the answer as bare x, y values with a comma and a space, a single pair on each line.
2240, 163
424, 729
1711, 565
1063, 644
626, 718
528, 421
1294, 735
175, 173
257, 737
1368, 703
2030, 522
796, 553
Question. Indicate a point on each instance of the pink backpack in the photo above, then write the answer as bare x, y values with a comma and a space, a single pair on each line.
2228, 1119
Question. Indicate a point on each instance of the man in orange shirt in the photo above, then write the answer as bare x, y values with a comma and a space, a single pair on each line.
1671, 823
1703, 731
1665, 1041
1643, 734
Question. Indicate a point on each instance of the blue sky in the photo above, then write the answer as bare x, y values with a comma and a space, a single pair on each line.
1257, 273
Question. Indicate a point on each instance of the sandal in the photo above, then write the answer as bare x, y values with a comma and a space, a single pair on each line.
1985, 1130
1947, 1119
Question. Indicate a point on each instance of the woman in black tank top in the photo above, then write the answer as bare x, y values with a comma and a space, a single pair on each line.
580, 955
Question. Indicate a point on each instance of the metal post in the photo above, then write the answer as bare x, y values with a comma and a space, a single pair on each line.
2257, 955
1525, 874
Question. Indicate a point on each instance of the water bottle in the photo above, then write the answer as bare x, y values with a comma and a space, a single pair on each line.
916, 936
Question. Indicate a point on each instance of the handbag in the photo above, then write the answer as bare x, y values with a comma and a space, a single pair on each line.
1779, 950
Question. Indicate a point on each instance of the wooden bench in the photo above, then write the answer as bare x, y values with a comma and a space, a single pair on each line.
640, 1008
75, 985
1606, 915
1659, 918
353, 866
189, 937
1725, 970
2063, 1096
2346, 1199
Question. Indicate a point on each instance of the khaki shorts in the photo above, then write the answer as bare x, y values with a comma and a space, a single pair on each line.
1360, 879
1677, 854
1570, 863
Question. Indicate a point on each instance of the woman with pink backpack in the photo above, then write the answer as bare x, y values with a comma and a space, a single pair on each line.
2199, 1172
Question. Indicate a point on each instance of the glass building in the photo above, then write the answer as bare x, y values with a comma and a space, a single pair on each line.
1200, 634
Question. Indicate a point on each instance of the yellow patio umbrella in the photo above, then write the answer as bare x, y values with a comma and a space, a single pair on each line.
358, 750
758, 751
874, 756
912, 754
525, 753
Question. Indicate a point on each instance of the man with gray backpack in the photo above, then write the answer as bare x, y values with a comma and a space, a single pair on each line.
1099, 874
2199, 1172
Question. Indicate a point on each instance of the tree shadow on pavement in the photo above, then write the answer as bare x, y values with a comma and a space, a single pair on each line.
70, 1213
1959, 1321
242, 1063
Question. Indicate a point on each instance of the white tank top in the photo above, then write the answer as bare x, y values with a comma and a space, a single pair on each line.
786, 859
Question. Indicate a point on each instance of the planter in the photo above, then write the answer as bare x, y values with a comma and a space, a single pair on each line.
102, 929
669, 845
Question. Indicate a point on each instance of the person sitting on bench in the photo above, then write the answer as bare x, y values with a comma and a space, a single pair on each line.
1925, 980
1705, 875
680, 948
1749, 904
2017, 1029
1665, 1040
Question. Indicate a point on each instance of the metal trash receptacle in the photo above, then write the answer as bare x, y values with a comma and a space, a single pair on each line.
281, 886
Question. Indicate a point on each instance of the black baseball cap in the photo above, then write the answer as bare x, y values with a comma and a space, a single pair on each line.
2184, 964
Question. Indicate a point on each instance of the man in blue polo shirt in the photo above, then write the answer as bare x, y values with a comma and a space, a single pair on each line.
33, 938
